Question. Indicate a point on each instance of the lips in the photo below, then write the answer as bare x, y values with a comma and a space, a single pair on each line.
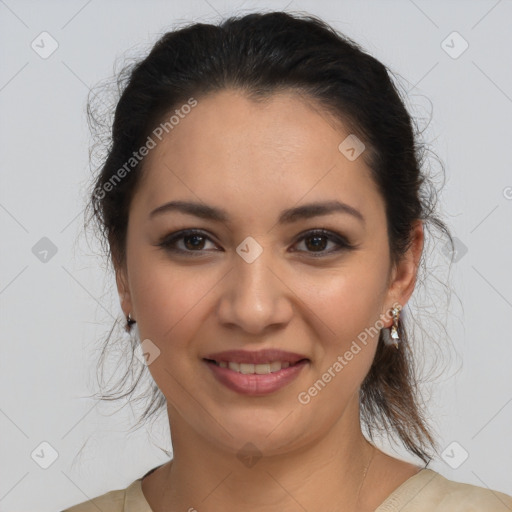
253, 383
255, 357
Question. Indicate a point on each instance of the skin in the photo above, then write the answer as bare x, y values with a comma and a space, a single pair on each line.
255, 160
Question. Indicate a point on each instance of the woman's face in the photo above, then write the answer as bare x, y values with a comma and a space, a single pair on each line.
255, 280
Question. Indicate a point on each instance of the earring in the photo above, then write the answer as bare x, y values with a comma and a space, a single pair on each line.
131, 335
390, 334
129, 322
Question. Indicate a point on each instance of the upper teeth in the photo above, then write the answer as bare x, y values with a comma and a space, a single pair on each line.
260, 369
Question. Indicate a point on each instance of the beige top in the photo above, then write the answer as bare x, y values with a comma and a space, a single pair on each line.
426, 491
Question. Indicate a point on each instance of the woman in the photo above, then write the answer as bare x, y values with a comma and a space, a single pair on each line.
264, 207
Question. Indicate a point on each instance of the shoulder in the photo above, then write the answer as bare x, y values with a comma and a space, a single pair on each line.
432, 492
121, 500
112, 501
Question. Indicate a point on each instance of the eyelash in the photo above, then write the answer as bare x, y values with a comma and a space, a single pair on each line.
169, 241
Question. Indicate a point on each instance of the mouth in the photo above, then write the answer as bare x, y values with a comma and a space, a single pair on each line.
256, 373
255, 379
256, 369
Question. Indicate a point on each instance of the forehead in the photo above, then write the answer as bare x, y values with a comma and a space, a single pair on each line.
247, 156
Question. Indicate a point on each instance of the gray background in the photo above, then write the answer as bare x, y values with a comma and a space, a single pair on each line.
55, 313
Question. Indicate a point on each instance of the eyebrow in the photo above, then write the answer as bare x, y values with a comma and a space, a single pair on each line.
288, 216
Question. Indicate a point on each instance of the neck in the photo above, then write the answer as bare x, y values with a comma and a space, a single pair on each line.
315, 475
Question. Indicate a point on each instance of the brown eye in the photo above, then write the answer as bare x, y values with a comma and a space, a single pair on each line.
193, 242
317, 241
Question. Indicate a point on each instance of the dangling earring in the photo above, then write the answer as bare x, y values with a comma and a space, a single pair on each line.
131, 335
390, 334
129, 322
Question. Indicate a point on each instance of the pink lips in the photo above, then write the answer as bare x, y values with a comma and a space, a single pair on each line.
254, 384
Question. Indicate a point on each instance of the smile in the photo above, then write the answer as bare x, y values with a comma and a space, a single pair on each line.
249, 368
255, 379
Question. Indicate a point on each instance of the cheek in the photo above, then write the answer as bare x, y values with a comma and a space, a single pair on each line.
170, 304
348, 301
169, 299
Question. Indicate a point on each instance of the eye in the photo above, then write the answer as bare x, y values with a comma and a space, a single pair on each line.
318, 239
193, 241
315, 241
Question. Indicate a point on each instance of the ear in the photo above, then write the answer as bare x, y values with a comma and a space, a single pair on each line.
124, 290
403, 276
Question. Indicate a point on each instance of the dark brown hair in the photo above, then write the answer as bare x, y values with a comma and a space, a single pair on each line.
261, 54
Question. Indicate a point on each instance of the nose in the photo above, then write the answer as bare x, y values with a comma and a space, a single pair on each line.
255, 297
